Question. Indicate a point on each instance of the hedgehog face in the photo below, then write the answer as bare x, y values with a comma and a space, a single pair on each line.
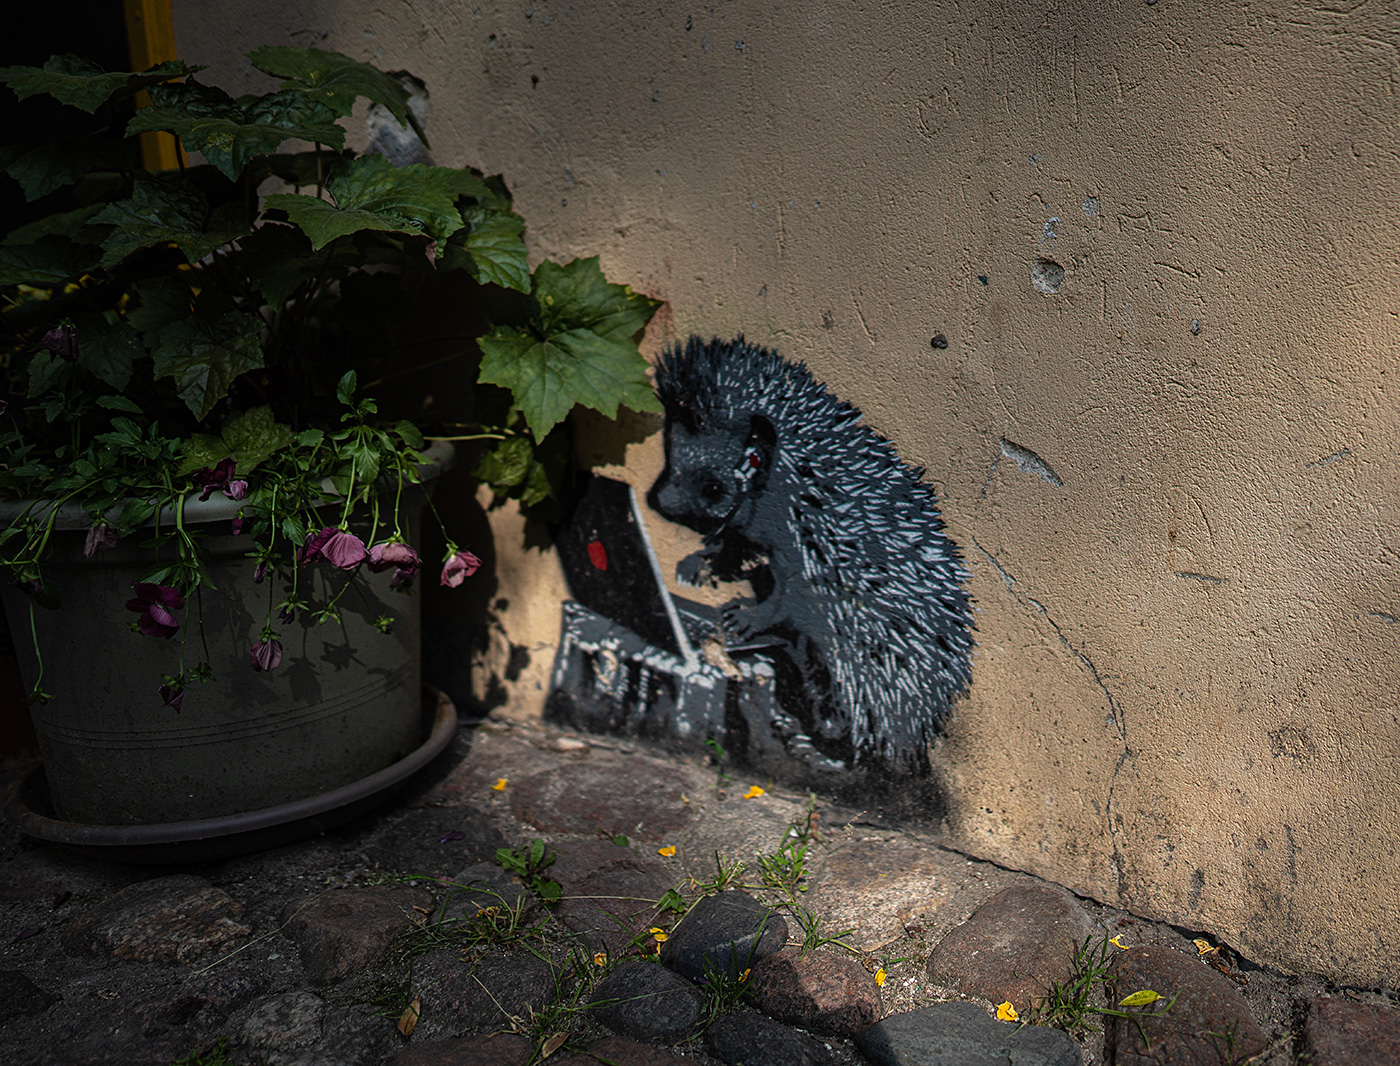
711, 474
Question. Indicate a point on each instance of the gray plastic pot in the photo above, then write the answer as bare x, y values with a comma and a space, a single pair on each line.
343, 704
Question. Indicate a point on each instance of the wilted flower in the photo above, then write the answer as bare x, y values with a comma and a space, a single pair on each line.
99, 538
236, 526
339, 548
220, 477
62, 341
260, 572
156, 604
460, 565
172, 695
267, 653
286, 614
396, 554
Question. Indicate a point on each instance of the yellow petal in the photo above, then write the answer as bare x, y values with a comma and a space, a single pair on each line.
660, 937
1006, 1012
1203, 947
745, 976
685, 798
500, 785
754, 792
667, 851
599, 959
1139, 999
880, 976
1117, 942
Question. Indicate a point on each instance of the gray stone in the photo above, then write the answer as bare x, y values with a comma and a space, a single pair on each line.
638, 799
281, 1026
207, 998
456, 995
500, 1049
477, 887
727, 933
753, 1040
647, 1002
609, 892
339, 933
1208, 1022
624, 1052
435, 841
1342, 1032
1013, 947
824, 990
20, 997
173, 919
960, 1034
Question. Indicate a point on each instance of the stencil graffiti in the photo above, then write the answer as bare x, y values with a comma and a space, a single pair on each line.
858, 636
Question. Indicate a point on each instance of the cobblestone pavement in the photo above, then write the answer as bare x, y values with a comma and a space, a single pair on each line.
402, 938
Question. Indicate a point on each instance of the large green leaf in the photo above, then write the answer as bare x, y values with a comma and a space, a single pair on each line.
204, 356
335, 81
107, 350
547, 376
577, 296
490, 249
255, 435
166, 208
208, 120
78, 82
370, 193
75, 225
44, 167
47, 261
164, 300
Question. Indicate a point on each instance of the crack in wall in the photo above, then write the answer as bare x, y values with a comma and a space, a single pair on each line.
1115, 712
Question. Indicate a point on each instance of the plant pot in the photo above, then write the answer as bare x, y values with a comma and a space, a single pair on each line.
343, 704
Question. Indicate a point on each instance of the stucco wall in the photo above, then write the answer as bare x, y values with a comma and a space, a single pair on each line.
1185, 694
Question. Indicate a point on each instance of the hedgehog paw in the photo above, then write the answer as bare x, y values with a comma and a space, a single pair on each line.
694, 571
743, 618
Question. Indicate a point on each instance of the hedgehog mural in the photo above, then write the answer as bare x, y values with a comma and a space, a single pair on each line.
857, 589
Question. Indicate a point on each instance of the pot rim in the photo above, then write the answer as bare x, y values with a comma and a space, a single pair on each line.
441, 456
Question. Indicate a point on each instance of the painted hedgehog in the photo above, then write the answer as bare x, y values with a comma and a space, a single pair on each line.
856, 584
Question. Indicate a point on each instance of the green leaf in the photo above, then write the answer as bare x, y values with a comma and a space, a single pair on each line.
205, 356
119, 403
345, 388
577, 296
48, 261
410, 434
51, 165
335, 81
505, 465
490, 249
621, 841
164, 300
70, 224
547, 377
1139, 999
45, 369
166, 208
201, 452
370, 193
208, 120
83, 84
109, 351
254, 436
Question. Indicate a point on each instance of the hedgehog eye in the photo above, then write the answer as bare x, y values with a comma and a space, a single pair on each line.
712, 490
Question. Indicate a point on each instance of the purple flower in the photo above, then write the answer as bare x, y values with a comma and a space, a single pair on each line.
172, 695
156, 604
266, 654
339, 548
459, 566
62, 341
236, 526
220, 477
396, 554
31, 588
287, 614
100, 537
260, 572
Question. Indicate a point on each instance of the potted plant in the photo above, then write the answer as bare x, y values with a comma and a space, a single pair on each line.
212, 511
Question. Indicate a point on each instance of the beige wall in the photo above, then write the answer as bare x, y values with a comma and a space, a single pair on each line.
1185, 695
